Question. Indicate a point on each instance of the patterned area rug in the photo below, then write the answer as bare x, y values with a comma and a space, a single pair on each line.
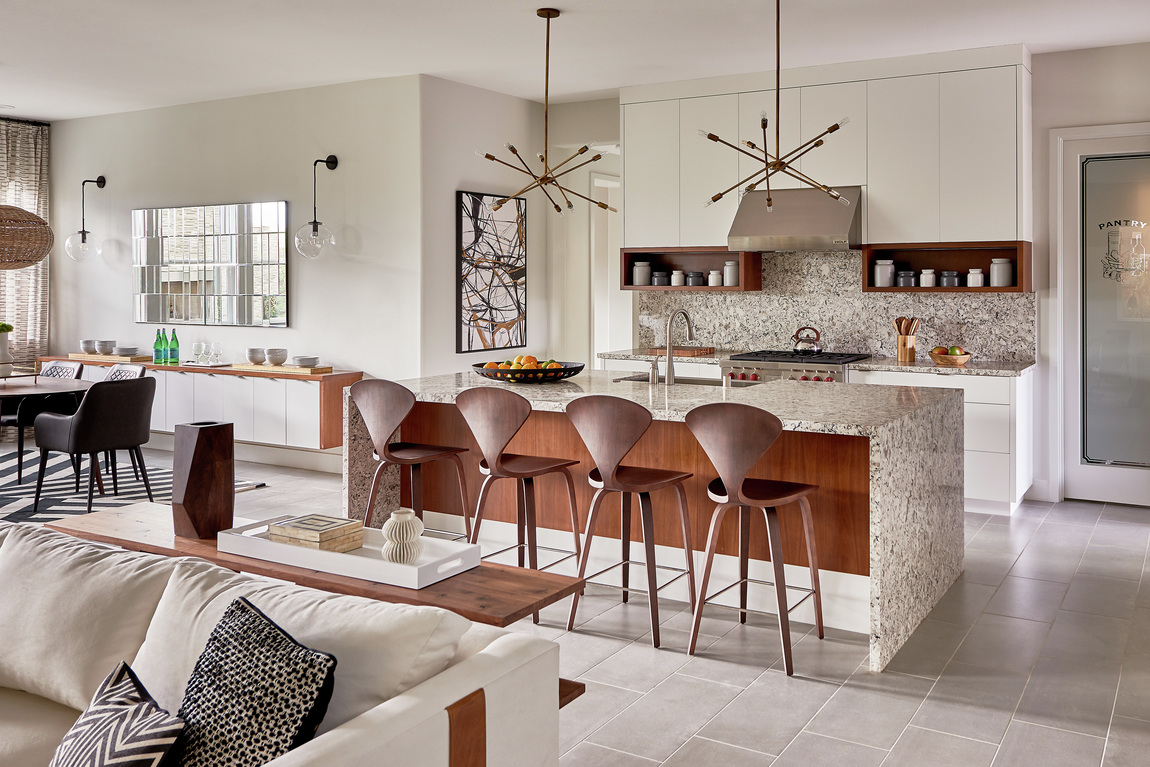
59, 497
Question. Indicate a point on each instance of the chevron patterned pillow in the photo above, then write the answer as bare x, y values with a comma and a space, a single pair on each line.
122, 726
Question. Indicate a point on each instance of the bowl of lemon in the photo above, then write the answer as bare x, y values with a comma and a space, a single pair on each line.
527, 368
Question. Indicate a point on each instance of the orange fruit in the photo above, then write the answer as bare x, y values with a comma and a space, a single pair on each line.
529, 359
554, 365
517, 365
491, 365
504, 366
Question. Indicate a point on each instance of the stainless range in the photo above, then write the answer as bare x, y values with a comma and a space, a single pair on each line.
773, 366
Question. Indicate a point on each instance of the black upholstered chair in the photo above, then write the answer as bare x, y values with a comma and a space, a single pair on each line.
122, 371
114, 415
21, 413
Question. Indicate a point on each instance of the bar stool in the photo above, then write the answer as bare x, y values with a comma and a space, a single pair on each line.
610, 427
495, 416
735, 437
384, 405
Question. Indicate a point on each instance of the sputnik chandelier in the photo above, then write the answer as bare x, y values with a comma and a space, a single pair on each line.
779, 162
549, 176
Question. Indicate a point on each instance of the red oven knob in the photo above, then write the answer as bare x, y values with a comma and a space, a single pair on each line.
803, 378
742, 376
731, 374
754, 376
829, 379
817, 378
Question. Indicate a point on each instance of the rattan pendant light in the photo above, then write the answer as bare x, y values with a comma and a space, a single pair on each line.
25, 238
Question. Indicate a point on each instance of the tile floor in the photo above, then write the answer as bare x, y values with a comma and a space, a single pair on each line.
1038, 656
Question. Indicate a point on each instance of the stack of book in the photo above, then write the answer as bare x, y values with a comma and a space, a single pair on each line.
316, 531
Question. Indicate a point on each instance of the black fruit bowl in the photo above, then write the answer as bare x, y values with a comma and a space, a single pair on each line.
530, 376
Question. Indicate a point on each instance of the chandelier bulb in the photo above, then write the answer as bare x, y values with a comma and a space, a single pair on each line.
846, 119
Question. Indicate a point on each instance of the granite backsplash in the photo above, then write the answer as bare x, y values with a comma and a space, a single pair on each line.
824, 290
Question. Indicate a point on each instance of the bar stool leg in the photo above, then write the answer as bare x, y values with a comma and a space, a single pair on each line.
369, 512
744, 556
648, 524
774, 539
463, 507
415, 474
484, 489
625, 541
688, 550
812, 561
592, 517
520, 519
532, 532
712, 543
574, 507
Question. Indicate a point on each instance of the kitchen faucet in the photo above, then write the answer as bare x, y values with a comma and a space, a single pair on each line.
670, 346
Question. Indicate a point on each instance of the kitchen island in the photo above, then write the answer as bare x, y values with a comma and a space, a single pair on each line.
888, 461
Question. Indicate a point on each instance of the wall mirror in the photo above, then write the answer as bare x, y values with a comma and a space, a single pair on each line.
211, 264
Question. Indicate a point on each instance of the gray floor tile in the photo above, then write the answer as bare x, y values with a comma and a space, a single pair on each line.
624, 621
1070, 695
700, 752
739, 657
1113, 561
1084, 513
641, 667
972, 701
1096, 595
590, 711
929, 649
1027, 598
579, 653
664, 719
1128, 744
987, 567
871, 708
716, 621
1029, 745
1134, 692
918, 747
1052, 564
590, 755
1120, 512
1121, 534
999, 641
1008, 537
833, 658
1139, 642
962, 603
770, 713
1088, 638
810, 750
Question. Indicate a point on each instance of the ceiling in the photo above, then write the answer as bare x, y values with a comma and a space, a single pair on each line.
63, 59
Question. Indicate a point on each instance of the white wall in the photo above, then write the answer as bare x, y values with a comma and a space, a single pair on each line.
1097, 86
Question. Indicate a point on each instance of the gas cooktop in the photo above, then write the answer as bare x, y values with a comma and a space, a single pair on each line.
825, 358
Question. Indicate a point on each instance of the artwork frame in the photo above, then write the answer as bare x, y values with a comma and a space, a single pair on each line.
491, 273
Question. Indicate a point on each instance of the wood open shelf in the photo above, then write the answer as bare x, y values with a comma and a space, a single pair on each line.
692, 260
957, 256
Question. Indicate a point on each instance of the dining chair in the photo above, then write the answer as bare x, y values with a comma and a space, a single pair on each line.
113, 415
21, 413
122, 371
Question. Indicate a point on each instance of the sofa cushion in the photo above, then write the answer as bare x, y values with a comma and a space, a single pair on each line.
383, 649
31, 727
122, 727
71, 610
254, 695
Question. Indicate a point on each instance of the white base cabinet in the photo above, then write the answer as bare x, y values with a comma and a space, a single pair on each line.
998, 436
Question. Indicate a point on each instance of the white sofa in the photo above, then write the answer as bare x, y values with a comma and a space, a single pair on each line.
71, 609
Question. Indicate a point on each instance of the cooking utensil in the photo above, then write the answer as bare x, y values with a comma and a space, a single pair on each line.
804, 344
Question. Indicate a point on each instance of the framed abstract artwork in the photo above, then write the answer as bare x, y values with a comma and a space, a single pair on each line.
491, 247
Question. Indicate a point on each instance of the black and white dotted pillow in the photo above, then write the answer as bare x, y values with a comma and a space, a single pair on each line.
122, 726
254, 695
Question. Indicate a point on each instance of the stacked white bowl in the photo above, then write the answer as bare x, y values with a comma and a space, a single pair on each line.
255, 355
275, 355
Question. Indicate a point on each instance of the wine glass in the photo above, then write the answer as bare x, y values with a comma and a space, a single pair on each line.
198, 352
217, 352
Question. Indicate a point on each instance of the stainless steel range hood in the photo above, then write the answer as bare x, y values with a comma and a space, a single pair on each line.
802, 219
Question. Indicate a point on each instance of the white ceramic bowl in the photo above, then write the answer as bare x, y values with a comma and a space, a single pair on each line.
88, 346
305, 361
105, 347
275, 356
255, 356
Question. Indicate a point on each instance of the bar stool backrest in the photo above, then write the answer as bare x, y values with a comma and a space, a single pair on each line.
384, 405
609, 427
734, 437
494, 416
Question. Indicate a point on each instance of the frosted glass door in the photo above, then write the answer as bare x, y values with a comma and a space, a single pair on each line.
1115, 310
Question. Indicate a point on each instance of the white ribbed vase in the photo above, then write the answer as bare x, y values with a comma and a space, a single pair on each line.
401, 537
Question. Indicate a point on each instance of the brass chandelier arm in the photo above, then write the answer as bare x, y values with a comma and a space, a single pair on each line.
718, 140
602, 205
729, 189
582, 150
574, 168
548, 177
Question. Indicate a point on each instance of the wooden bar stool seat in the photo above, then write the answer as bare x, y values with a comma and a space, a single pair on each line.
610, 427
384, 405
734, 437
495, 416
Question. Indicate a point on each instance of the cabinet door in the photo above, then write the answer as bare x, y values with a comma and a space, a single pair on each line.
179, 398
987, 476
160, 404
978, 160
987, 427
94, 372
707, 168
208, 397
651, 174
902, 159
270, 410
751, 108
841, 161
239, 406
302, 413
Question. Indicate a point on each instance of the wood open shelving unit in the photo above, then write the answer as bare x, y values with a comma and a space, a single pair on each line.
957, 256
692, 260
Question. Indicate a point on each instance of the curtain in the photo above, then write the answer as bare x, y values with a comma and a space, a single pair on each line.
24, 183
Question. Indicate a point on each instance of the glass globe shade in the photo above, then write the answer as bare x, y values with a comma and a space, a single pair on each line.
311, 242
79, 250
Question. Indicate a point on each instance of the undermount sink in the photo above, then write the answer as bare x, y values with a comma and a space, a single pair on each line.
686, 381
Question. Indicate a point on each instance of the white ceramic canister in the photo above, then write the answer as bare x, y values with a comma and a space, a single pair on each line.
974, 278
641, 273
1001, 273
731, 274
926, 278
678, 278
401, 537
715, 278
884, 273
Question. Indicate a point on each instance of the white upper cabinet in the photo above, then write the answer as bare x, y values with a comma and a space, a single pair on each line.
751, 108
651, 174
978, 162
707, 168
841, 160
903, 159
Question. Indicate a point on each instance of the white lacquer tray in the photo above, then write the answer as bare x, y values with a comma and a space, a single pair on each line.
440, 559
